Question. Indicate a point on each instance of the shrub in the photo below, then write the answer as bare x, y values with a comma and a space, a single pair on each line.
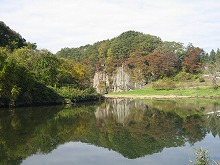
203, 158
183, 76
165, 84
76, 95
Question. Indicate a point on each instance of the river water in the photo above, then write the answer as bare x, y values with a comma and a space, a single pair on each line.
117, 131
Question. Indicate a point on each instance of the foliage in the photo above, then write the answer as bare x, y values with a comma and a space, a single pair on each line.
76, 95
172, 47
19, 87
162, 65
74, 53
164, 84
202, 157
213, 67
145, 57
184, 76
72, 73
26, 73
108, 54
46, 68
9, 38
192, 62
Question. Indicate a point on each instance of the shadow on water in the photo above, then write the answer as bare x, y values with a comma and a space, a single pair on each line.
132, 128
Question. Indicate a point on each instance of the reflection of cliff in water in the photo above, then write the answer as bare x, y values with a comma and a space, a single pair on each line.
120, 110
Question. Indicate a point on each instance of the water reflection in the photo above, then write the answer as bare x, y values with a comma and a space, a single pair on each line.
138, 129
131, 128
120, 110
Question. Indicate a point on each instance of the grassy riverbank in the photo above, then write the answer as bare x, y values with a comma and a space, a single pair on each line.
150, 92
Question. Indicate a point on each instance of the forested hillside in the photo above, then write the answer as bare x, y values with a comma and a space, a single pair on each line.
138, 50
144, 57
29, 76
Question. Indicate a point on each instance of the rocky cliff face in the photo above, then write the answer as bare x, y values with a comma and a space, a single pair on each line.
120, 81
101, 82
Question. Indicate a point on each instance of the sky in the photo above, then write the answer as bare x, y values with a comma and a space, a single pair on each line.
56, 24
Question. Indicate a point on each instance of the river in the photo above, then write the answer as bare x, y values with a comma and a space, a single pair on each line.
116, 131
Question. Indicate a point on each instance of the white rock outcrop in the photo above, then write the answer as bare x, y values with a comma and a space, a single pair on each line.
120, 81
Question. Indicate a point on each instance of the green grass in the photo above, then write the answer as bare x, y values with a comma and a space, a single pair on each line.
180, 92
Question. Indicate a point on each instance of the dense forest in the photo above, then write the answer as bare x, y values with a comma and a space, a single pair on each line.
149, 54
32, 76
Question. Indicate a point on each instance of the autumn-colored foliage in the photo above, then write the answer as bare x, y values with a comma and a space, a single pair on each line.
192, 62
162, 65
145, 56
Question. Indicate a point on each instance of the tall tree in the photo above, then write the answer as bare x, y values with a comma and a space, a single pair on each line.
213, 66
212, 56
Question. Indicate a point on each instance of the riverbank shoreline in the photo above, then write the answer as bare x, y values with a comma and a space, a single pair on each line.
132, 96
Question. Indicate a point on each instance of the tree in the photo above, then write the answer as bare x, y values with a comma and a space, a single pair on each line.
212, 56
175, 47
192, 62
46, 67
72, 73
213, 67
14, 81
162, 65
9, 38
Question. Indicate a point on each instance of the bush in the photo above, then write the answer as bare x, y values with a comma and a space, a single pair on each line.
183, 76
203, 158
76, 95
165, 84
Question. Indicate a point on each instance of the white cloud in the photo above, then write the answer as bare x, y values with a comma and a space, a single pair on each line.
54, 24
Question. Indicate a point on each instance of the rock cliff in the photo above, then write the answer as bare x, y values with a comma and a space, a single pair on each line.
101, 82
119, 81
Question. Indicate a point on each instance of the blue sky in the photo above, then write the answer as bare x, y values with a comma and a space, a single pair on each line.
55, 24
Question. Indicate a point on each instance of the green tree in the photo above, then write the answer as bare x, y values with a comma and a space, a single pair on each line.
212, 56
9, 38
46, 68
213, 67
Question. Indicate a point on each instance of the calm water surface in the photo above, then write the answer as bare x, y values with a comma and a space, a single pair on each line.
117, 131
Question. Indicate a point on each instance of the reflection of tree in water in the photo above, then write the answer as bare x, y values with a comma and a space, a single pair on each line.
17, 127
194, 128
128, 127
